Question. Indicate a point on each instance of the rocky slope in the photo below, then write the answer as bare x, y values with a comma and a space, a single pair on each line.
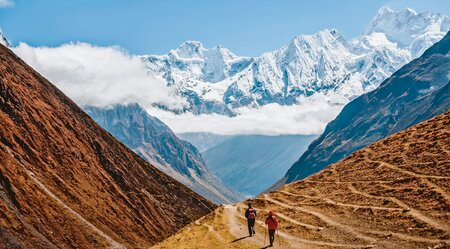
392, 194
252, 163
416, 92
217, 81
66, 182
155, 142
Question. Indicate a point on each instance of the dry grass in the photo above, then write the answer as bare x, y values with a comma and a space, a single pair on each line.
392, 194
212, 231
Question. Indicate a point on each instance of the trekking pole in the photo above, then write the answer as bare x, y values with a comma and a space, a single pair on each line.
278, 238
265, 235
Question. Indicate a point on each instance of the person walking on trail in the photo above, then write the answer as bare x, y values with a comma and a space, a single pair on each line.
250, 214
272, 224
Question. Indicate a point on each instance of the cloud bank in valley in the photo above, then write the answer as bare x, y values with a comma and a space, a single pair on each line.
310, 116
104, 76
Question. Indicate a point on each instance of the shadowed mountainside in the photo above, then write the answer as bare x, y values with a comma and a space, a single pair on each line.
67, 183
155, 142
418, 91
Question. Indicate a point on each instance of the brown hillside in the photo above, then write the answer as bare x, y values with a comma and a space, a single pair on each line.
67, 183
392, 194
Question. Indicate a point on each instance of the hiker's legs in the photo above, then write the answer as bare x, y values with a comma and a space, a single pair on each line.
271, 236
251, 225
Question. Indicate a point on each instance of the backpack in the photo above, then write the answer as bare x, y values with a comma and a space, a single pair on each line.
251, 214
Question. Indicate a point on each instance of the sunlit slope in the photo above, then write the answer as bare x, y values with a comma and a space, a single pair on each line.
392, 194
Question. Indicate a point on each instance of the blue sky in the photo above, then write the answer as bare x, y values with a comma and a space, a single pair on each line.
246, 27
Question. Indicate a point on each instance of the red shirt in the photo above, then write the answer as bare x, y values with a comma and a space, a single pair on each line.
272, 222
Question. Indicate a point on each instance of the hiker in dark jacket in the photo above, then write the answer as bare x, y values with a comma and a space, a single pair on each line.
250, 214
272, 224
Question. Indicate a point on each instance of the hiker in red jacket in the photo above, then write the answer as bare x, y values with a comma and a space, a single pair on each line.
272, 224
250, 214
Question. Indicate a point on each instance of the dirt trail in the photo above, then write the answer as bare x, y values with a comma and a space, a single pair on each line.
411, 211
290, 241
236, 229
239, 228
296, 222
423, 178
330, 201
112, 242
293, 221
407, 172
324, 218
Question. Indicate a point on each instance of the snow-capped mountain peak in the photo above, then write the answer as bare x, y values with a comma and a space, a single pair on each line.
324, 40
189, 49
192, 62
408, 29
216, 80
385, 10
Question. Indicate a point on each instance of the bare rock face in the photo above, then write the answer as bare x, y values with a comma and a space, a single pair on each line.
66, 182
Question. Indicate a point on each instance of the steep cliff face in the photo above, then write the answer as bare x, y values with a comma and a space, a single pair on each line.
416, 92
66, 182
155, 142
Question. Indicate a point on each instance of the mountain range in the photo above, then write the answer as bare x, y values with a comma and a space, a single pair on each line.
67, 183
416, 92
155, 142
217, 81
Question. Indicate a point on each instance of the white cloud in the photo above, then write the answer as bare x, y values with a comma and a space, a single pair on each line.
103, 76
309, 117
6, 3
99, 76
